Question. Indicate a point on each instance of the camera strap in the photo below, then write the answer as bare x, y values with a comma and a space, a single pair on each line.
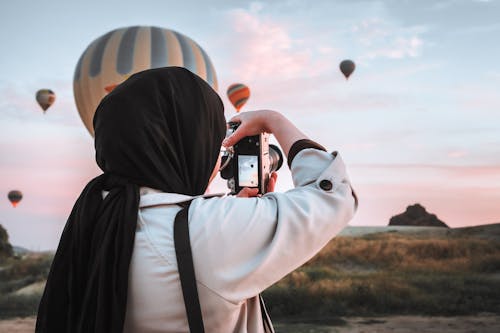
186, 270
268, 327
185, 267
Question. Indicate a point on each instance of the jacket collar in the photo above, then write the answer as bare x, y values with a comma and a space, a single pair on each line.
152, 197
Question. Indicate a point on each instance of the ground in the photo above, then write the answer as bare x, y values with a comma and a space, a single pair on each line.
484, 323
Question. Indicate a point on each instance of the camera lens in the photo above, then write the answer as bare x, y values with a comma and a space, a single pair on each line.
275, 158
226, 172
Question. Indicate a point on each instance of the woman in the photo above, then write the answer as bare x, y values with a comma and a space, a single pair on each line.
157, 139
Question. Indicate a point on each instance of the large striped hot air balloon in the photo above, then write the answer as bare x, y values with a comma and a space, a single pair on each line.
238, 94
45, 98
14, 197
113, 57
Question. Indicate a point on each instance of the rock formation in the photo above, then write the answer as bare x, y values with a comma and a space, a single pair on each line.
5, 247
416, 215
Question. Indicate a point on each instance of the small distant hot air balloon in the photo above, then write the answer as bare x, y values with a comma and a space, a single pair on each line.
238, 94
45, 97
14, 197
347, 67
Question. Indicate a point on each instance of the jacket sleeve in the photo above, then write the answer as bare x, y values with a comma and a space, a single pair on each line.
241, 246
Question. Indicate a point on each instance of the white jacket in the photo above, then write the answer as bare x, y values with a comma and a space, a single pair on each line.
240, 246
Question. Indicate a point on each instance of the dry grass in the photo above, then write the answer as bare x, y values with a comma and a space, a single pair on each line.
395, 252
394, 274
381, 274
19, 273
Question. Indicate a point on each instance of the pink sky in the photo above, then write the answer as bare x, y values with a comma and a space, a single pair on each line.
416, 122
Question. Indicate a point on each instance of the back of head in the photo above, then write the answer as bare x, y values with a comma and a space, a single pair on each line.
161, 128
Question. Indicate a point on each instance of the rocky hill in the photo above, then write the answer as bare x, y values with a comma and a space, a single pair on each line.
416, 215
5, 247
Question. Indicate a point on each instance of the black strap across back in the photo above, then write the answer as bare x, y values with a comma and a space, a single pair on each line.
186, 271
187, 276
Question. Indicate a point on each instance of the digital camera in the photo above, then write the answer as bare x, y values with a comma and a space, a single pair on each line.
250, 162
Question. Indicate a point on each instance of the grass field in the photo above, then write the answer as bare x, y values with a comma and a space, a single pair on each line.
17, 275
366, 272
446, 272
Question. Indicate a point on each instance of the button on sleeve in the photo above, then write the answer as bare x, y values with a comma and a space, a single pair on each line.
326, 185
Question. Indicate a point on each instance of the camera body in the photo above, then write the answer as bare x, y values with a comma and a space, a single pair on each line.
250, 162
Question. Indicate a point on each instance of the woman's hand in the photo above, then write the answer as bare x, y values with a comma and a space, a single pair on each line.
256, 122
252, 123
248, 192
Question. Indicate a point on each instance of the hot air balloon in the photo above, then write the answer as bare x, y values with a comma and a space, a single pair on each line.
347, 67
238, 94
45, 97
14, 197
113, 57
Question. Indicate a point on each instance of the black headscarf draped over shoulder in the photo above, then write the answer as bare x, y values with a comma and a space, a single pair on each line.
161, 128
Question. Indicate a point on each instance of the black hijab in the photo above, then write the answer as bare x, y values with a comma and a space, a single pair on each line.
161, 128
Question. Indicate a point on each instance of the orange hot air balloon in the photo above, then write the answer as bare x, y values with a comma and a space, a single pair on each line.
238, 94
45, 98
347, 67
14, 197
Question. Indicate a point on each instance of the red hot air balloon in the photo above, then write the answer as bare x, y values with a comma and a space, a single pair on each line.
238, 94
347, 67
14, 197
45, 98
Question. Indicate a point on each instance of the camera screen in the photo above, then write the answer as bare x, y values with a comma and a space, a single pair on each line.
248, 170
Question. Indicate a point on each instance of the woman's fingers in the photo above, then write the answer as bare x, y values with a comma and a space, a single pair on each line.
236, 118
245, 120
235, 137
248, 192
251, 123
272, 182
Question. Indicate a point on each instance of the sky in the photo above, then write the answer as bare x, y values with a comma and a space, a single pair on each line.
417, 122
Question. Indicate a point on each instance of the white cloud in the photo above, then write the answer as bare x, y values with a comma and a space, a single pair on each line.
457, 154
441, 5
381, 39
18, 103
256, 7
475, 97
264, 48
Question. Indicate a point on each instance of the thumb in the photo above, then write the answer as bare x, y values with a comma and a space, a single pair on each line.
272, 182
248, 192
